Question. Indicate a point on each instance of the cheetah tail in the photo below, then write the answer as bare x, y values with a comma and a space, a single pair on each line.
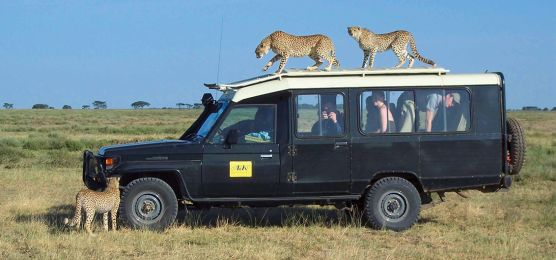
417, 55
335, 62
77, 217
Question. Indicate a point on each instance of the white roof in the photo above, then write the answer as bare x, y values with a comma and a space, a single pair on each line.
303, 79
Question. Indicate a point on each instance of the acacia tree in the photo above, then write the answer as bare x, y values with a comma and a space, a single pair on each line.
66, 107
85, 107
8, 106
140, 104
179, 105
40, 106
99, 104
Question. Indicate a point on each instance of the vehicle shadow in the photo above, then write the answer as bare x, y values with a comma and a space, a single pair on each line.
53, 217
268, 217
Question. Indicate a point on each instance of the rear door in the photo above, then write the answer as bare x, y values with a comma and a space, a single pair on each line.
321, 161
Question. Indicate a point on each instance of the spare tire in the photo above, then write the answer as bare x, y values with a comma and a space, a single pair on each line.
516, 145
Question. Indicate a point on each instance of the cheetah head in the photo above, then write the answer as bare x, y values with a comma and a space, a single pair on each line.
355, 31
113, 182
262, 49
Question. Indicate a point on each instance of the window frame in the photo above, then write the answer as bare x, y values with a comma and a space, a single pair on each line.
414, 89
229, 110
295, 118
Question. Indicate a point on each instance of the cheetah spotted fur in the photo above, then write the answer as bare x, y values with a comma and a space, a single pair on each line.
372, 43
317, 47
97, 202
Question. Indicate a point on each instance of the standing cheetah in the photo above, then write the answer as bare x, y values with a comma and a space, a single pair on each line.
372, 43
97, 201
285, 45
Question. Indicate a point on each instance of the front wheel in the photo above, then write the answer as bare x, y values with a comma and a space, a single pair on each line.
148, 203
391, 203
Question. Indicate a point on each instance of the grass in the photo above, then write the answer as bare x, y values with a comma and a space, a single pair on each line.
40, 171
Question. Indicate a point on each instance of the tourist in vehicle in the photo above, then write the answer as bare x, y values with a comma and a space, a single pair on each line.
257, 130
434, 102
372, 124
330, 122
386, 119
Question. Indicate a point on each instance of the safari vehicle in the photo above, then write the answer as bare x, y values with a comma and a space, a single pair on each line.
378, 141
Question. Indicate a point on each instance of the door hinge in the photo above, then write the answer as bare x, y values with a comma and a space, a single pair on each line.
292, 150
292, 177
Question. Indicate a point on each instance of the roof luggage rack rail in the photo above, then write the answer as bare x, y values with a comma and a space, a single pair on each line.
320, 73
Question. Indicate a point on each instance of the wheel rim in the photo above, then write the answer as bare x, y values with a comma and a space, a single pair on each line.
147, 207
393, 206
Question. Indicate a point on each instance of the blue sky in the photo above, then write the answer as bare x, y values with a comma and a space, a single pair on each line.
75, 52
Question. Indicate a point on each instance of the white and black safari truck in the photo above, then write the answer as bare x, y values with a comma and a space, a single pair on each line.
379, 141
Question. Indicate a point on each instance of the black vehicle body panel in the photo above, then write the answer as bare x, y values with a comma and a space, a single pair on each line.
323, 170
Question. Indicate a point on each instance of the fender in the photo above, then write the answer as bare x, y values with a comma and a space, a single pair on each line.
130, 175
408, 175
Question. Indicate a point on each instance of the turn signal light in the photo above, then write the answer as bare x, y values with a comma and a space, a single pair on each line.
109, 162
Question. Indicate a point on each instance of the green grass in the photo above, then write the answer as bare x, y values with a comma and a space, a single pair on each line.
40, 153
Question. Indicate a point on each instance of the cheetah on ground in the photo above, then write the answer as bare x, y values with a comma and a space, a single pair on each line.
97, 202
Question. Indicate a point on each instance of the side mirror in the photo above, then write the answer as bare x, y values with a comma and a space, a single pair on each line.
232, 137
207, 99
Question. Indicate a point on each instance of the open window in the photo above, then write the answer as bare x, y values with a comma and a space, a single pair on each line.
320, 115
443, 110
254, 124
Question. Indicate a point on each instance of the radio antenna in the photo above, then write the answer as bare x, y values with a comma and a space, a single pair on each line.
220, 50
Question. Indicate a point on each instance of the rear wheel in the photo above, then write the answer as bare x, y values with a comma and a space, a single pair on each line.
391, 203
148, 203
516, 145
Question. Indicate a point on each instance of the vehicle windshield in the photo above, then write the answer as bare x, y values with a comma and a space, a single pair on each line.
211, 119
201, 128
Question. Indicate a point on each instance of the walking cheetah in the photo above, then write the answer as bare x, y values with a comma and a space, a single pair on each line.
97, 201
285, 45
372, 43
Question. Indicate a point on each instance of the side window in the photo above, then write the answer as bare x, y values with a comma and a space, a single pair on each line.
320, 115
443, 110
255, 123
387, 111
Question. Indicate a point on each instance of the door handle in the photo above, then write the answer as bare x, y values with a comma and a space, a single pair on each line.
266, 156
338, 144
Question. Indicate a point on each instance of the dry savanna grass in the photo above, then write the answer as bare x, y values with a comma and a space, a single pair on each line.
40, 175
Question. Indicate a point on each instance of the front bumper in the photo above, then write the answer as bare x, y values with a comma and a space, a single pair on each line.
94, 175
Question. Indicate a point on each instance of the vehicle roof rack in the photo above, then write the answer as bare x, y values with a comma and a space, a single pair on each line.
320, 73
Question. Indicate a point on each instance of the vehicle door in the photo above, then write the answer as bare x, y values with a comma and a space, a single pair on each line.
250, 167
321, 151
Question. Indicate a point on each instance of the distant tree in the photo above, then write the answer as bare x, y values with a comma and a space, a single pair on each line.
197, 105
66, 107
140, 104
40, 106
85, 107
8, 106
188, 106
531, 108
100, 104
51, 108
554, 109
179, 105
545, 109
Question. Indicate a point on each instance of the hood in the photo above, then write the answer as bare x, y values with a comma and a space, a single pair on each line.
161, 146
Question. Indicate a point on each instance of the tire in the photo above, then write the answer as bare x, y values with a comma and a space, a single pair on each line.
148, 203
391, 203
516, 145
